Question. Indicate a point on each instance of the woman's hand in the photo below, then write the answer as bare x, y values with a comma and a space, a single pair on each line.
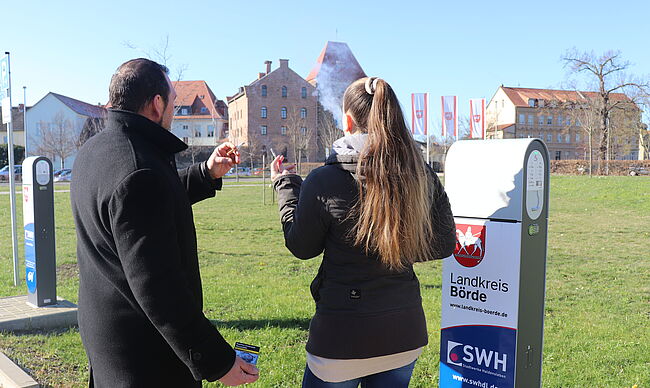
278, 169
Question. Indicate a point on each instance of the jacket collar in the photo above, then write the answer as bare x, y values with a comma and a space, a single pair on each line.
344, 162
152, 132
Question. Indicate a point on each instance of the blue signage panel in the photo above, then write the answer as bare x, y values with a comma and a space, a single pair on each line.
30, 258
477, 356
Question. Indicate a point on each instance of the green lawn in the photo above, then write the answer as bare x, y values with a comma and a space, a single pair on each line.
597, 328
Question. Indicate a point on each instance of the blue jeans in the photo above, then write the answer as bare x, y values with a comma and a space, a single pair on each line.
394, 378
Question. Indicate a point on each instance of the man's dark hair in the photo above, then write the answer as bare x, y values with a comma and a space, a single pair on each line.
136, 83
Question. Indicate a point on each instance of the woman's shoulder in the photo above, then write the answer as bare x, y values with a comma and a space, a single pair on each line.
326, 172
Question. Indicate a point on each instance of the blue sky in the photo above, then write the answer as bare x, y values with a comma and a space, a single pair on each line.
467, 48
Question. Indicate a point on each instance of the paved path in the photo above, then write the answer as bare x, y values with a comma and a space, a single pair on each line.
20, 192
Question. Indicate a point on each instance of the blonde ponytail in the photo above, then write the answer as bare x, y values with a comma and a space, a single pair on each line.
393, 214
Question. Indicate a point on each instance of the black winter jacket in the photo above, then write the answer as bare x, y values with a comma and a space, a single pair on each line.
363, 309
140, 297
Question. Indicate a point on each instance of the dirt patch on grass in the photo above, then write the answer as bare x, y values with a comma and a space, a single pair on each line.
67, 271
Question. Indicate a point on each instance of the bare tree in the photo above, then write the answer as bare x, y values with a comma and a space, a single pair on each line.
253, 150
301, 137
328, 131
160, 53
56, 139
464, 128
92, 126
643, 131
584, 114
644, 142
606, 74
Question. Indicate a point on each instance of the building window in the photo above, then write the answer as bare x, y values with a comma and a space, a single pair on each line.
577, 122
303, 113
567, 138
530, 119
284, 91
559, 119
304, 92
186, 127
558, 155
210, 130
559, 138
303, 130
540, 120
185, 139
204, 109
522, 118
263, 130
197, 131
577, 138
566, 155
263, 113
568, 121
283, 112
283, 131
549, 120
183, 111
549, 137
263, 90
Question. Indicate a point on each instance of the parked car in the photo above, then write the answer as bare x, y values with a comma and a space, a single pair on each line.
637, 170
65, 176
4, 173
59, 172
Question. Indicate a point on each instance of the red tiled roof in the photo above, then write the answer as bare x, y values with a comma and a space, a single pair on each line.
188, 93
520, 96
81, 107
338, 57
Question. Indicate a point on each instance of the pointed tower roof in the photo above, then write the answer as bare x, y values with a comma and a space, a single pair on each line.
336, 58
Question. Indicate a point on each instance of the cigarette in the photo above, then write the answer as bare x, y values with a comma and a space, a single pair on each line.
233, 149
273, 153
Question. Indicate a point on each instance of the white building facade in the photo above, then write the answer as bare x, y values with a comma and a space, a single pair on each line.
54, 126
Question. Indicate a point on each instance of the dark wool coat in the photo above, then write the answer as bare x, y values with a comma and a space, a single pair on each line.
140, 299
363, 309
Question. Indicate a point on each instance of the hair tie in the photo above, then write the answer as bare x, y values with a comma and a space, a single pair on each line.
371, 85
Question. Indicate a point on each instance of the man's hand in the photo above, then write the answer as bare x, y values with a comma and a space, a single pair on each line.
278, 168
222, 159
240, 373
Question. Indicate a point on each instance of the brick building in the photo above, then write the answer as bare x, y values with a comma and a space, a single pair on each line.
278, 110
554, 116
200, 119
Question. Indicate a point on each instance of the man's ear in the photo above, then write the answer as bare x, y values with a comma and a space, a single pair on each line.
158, 107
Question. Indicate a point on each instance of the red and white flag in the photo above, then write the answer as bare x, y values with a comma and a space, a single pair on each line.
419, 113
477, 118
449, 115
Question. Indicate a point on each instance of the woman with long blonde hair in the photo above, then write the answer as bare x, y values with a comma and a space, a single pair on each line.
374, 209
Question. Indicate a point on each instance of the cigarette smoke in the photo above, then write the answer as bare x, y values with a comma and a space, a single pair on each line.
339, 68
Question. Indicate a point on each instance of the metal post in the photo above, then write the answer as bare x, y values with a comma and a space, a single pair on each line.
263, 179
25, 119
12, 181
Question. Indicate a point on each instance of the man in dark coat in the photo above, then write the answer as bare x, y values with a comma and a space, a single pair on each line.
140, 299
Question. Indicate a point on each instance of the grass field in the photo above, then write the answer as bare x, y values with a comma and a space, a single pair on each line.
597, 325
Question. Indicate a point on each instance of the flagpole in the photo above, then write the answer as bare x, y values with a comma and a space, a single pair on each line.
25, 120
12, 178
426, 130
